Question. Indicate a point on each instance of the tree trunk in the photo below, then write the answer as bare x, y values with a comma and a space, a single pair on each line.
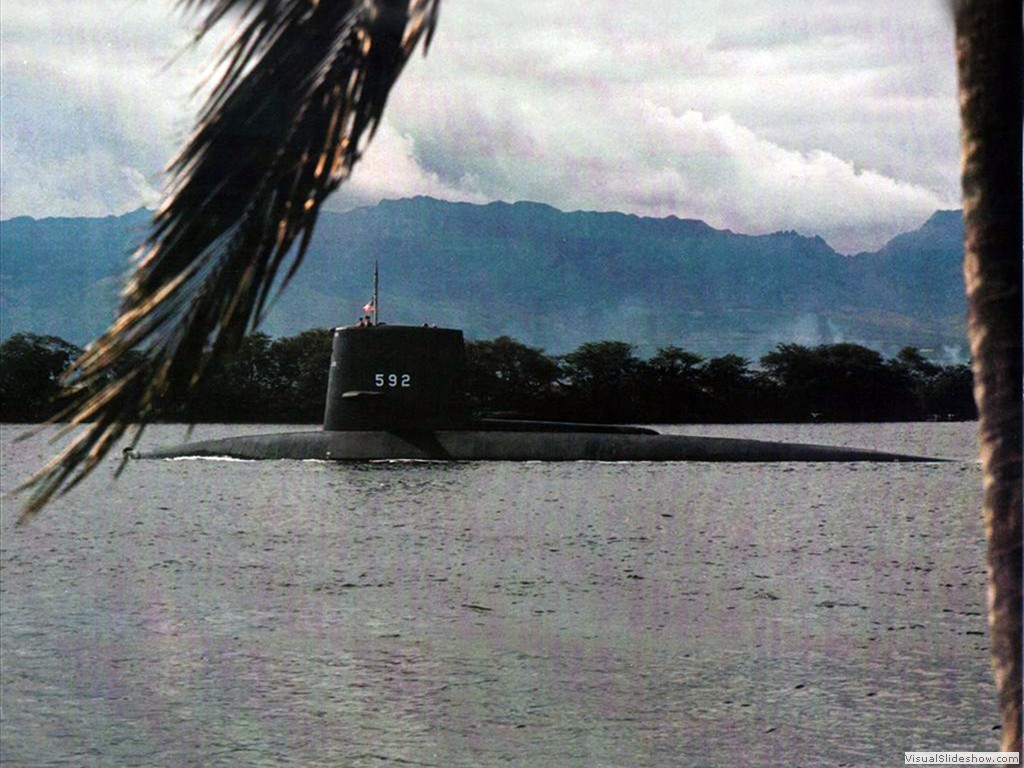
988, 46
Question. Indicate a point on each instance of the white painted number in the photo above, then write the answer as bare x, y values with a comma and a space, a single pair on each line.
383, 380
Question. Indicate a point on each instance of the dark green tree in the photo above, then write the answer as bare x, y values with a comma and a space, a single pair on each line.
938, 392
604, 378
31, 367
835, 382
301, 366
949, 395
673, 389
236, 389
731, 392
508, 377
911, 360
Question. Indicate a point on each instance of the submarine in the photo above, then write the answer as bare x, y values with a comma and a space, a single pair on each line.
396, 392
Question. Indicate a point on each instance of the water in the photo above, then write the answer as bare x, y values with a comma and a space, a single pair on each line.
223, 613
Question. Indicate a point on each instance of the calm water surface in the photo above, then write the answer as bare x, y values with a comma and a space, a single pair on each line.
223, 613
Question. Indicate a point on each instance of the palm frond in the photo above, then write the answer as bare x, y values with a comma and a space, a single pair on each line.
303, 88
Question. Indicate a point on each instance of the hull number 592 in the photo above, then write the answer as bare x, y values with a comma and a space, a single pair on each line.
381, 380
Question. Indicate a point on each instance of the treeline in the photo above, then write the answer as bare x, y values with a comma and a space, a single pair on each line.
606, 382
285, 380
268, 380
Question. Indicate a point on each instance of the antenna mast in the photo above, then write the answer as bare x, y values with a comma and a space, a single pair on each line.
376, 293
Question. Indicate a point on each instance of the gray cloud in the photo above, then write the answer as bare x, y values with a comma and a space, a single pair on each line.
838, 119
92, 107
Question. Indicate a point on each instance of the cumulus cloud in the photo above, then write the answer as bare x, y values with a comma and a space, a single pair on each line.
390, 169
93, 108
831, 119
94, 182
644, 158
755, 185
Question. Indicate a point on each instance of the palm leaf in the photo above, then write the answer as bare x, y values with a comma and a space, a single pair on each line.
304, 85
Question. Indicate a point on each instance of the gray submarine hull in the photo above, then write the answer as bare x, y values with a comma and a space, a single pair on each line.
398, 392
505, 445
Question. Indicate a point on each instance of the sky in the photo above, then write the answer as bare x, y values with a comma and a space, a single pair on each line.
831, 119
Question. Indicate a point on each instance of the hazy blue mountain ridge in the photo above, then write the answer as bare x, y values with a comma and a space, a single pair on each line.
549, 278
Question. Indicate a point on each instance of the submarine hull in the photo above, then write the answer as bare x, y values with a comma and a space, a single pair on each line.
397, 392
504, 445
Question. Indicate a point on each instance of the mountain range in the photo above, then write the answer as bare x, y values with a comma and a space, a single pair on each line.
548, 278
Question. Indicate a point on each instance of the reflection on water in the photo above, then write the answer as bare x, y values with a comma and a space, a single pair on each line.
583, 614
